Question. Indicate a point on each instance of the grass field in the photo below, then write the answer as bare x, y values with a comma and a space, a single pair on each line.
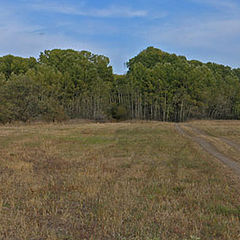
123, 181
218, 131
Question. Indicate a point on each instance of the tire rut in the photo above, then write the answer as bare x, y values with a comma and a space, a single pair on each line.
211, 149
223, 139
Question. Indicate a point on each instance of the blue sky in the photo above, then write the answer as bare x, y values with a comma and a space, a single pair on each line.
206, 30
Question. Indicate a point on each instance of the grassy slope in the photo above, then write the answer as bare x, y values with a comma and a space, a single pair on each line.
112, 181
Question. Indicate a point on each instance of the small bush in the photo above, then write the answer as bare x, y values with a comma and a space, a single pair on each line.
118, 112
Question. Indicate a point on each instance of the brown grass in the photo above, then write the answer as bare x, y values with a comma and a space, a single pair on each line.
216, 131
113, 181
220, 128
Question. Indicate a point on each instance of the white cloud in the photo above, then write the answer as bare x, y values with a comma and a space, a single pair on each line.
204, 39
29, 44
81, 10
224, 4
219, 32
26, 39
198, 33
116, 11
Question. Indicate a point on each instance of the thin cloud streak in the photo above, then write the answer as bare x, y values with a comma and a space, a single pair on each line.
32, 39
198, 33
220, 4
209, 39
213, 37
32, 26
26, 39
112, 11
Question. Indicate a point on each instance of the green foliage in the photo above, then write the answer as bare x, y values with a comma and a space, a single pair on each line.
84, 85
2, 79
10, 64
118, 112
236, 109
23, 99
52, 111
171, 88
80, 84
21, 95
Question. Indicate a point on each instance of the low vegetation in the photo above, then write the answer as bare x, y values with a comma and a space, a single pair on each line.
123, 181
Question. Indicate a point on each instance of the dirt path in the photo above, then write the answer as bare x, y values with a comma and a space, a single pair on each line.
210, 148
225, 140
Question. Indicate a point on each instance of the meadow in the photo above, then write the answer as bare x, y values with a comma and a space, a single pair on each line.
124, 181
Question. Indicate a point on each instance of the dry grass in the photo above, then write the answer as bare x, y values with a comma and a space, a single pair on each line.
217, 131
125, 181
220, 128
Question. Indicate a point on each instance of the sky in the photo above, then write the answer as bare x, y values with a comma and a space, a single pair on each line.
206, 30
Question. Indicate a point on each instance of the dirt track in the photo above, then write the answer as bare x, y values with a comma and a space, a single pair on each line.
199, 137
225, 140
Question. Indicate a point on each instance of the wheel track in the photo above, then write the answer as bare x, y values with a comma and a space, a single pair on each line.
211, 149
223, 139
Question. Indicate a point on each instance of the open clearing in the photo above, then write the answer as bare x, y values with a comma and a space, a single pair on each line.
123, 181
207, 143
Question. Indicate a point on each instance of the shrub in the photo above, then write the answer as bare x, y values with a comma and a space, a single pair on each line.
23, 99
118, 112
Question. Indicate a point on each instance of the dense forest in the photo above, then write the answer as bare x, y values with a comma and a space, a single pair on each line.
65, 84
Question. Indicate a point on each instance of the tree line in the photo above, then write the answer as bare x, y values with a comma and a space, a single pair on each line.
64, 84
